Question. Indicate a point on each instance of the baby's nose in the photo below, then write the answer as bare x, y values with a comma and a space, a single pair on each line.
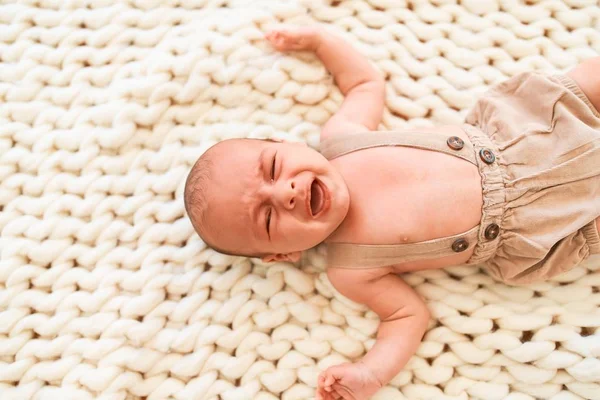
288, 195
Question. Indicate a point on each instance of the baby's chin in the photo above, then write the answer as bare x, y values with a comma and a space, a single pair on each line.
325, 232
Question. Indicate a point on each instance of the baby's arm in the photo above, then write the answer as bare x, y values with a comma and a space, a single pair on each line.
362, 85
404, 318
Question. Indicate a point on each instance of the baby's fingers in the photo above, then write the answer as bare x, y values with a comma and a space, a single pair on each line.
284, 33
278, 40
329, 380
323, 395
280, 36
296, 39
272, 36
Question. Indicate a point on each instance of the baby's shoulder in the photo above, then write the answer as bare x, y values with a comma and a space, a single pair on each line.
366, 285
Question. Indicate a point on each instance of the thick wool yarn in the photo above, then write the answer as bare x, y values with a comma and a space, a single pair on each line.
107, 293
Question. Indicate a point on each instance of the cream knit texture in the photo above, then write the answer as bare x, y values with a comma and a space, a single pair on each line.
106, 292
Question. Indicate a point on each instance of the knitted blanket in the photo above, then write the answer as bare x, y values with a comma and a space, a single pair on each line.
106, 292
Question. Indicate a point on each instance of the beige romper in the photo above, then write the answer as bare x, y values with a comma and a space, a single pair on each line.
536, 142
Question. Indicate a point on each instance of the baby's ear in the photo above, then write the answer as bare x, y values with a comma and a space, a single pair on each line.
289, 257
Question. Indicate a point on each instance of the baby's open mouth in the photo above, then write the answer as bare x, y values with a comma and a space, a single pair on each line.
317, 198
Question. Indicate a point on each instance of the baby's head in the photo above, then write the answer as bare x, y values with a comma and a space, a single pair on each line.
263, 198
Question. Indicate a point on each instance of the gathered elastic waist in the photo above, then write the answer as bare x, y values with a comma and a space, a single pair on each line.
493, 192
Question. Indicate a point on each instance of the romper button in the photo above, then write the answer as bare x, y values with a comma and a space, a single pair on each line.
460, 245
455, 143
487, 156
492, 231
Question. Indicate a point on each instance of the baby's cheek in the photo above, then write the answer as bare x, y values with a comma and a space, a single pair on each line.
301, 234
300, 230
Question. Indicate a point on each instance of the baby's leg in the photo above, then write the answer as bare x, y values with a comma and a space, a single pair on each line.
587, 78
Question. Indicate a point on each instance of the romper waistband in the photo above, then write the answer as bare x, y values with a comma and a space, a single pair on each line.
494, 197
592, 237
570, 84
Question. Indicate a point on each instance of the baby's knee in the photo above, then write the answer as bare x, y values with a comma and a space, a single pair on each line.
587, 78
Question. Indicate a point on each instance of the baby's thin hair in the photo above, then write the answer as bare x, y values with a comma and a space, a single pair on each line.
196, 192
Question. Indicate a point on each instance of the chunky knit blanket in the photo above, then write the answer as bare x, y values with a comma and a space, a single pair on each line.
105, 290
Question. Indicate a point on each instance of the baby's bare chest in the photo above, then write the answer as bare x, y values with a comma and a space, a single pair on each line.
407, 195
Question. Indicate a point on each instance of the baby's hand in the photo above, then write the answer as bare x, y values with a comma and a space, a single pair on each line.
347, 382
301, 38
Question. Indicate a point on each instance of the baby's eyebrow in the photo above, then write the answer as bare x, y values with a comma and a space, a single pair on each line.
261, 162
255, 208
255, 224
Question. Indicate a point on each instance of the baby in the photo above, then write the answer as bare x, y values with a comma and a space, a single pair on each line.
516, 188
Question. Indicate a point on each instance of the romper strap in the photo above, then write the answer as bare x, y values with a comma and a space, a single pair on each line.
339, 145
365, 256
349, 255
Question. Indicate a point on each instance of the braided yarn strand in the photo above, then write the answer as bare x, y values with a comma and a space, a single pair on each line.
106, 292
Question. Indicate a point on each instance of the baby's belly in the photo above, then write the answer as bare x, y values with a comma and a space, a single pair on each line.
444, 207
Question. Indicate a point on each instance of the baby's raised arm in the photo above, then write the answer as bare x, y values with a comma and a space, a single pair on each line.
404, 319
358, 80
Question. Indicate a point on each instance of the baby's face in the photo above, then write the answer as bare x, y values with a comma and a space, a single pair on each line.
275, 198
